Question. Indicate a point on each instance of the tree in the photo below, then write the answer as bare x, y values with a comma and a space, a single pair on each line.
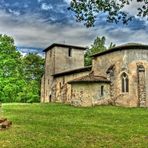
88, 10
19, 76
10, 69
98, 46
33, 66
33, 69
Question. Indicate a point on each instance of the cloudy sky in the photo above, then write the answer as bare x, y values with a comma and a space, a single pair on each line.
39, 23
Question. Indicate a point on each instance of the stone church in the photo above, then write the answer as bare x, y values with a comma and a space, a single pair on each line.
118, 76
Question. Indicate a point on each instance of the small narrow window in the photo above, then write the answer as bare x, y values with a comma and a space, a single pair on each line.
69, 52
60, 85
49, 98
125, 82
102, 90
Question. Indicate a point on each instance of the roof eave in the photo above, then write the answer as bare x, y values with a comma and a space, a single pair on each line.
83, 69
87, 81
118, 48
64, 45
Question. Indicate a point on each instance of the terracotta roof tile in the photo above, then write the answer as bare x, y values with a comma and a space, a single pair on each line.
83, 69
90, 78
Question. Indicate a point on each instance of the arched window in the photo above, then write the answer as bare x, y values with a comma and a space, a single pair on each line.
125, 82
110, 72
141, 68
111, 76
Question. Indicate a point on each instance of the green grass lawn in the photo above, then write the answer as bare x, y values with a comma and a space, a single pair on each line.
64, 126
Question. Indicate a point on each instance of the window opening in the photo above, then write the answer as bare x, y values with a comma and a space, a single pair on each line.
102, 90
69, 52
125, 82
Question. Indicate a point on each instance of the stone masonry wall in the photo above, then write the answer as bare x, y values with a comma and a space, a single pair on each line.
63, 89
89, 94
124, 61
64, 62
57, 60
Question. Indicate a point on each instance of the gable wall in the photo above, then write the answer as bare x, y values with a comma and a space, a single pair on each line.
89, 94
63, 89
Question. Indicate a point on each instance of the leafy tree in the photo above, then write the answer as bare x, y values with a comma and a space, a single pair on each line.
10, 65
19, 76
98, 46
88, 10
33, 67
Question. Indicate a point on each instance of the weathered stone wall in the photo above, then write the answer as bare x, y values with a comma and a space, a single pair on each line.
63, 89
89, 94
124, 61
47, 79
64, 62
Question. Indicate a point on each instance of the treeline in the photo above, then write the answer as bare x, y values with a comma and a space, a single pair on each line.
19, 76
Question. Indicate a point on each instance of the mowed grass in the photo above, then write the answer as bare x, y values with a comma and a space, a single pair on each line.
65, 126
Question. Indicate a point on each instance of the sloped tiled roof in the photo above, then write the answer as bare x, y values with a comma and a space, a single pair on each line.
90, 78
83, 69
64, 45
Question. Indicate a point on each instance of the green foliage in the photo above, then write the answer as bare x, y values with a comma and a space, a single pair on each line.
98, 46
88, 10
33, 66
64, 126
19, 76
33, 70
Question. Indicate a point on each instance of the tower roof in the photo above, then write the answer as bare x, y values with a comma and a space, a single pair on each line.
64, 45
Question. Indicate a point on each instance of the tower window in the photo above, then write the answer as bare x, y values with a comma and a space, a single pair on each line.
69, 52
102, 90
125, 82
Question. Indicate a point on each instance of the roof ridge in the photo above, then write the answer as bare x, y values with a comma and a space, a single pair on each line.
64, 45
122, 47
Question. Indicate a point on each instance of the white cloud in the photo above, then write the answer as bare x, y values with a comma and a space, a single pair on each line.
132, 7
45, 6
14, 12
67, 1
30, 30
